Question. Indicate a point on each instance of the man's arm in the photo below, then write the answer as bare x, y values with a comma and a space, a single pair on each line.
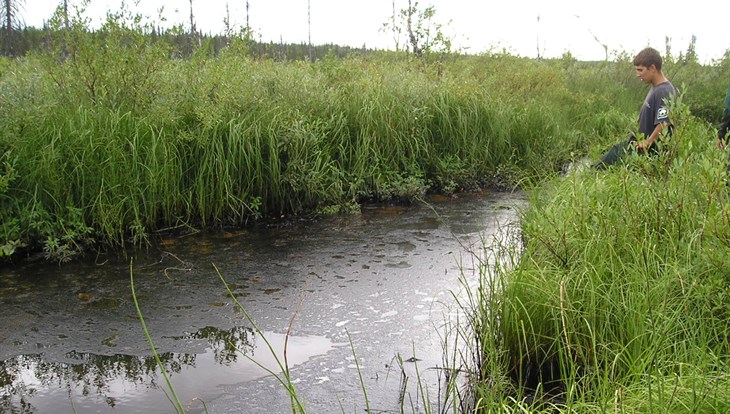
646, 143
722, 131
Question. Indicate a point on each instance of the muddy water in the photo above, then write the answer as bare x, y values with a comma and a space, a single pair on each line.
365, 291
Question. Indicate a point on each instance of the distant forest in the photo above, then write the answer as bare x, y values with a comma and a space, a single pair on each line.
30, 39
414, 26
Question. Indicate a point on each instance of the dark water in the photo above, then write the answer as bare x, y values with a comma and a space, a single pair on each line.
377, 286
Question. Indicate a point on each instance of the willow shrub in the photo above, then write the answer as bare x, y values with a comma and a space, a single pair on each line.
706, 91
621, 298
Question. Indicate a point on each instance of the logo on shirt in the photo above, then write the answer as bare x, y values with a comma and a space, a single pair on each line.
662, 113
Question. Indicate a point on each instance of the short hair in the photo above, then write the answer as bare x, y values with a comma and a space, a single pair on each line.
647, 57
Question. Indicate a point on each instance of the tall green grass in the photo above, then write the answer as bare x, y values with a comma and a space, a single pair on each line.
110, 144
618, 298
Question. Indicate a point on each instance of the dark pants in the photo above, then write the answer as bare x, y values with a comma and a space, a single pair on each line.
621, 151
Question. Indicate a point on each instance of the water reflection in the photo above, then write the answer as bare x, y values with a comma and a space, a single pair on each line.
85, 382
226, 345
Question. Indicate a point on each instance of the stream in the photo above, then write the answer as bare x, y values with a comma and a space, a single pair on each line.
363, 304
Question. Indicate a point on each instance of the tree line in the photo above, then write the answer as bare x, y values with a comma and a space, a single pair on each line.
31, 39
414, 30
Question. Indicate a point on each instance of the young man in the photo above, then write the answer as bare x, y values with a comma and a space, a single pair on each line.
654, 113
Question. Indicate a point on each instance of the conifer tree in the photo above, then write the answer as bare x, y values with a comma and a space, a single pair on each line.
10, 14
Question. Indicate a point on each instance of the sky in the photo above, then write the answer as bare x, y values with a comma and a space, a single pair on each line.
522, 27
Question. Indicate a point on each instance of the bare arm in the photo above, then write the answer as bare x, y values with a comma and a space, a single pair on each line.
722, 131
644, 144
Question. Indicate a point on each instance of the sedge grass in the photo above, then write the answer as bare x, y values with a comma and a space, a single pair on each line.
285, 380
174, 399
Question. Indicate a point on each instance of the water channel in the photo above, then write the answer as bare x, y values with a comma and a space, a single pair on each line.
365, 290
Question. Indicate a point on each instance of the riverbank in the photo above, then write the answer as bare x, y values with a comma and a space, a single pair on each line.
227, 140
619, 300
113, 142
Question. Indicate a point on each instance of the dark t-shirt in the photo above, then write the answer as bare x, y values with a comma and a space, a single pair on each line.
655, 109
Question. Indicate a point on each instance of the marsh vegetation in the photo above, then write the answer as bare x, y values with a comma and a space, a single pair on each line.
617, 297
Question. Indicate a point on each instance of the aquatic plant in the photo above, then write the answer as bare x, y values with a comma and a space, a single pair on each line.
226, 140
172, 396
285, 378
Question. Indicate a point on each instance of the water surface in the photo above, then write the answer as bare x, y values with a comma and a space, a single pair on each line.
378, 286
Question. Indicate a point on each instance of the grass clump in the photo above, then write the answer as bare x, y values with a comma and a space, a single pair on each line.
619, 300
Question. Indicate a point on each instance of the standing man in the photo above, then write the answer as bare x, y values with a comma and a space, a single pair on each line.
654, 113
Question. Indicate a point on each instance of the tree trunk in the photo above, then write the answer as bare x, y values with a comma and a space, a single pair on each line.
412, 36
65, 15
309, 26
248, 27
9, 27
192, 20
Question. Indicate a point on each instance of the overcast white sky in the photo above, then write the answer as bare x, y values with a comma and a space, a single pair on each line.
578, 26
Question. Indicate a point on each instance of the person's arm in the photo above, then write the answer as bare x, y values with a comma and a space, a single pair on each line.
722, 132
646, 143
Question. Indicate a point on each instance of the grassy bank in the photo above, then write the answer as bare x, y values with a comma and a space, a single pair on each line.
225, 140
228, 139
108, 139
619, 301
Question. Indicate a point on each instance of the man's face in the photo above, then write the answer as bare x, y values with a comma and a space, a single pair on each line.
646, 74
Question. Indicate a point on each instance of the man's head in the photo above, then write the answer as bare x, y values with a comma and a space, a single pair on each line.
648, 57
648, 65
